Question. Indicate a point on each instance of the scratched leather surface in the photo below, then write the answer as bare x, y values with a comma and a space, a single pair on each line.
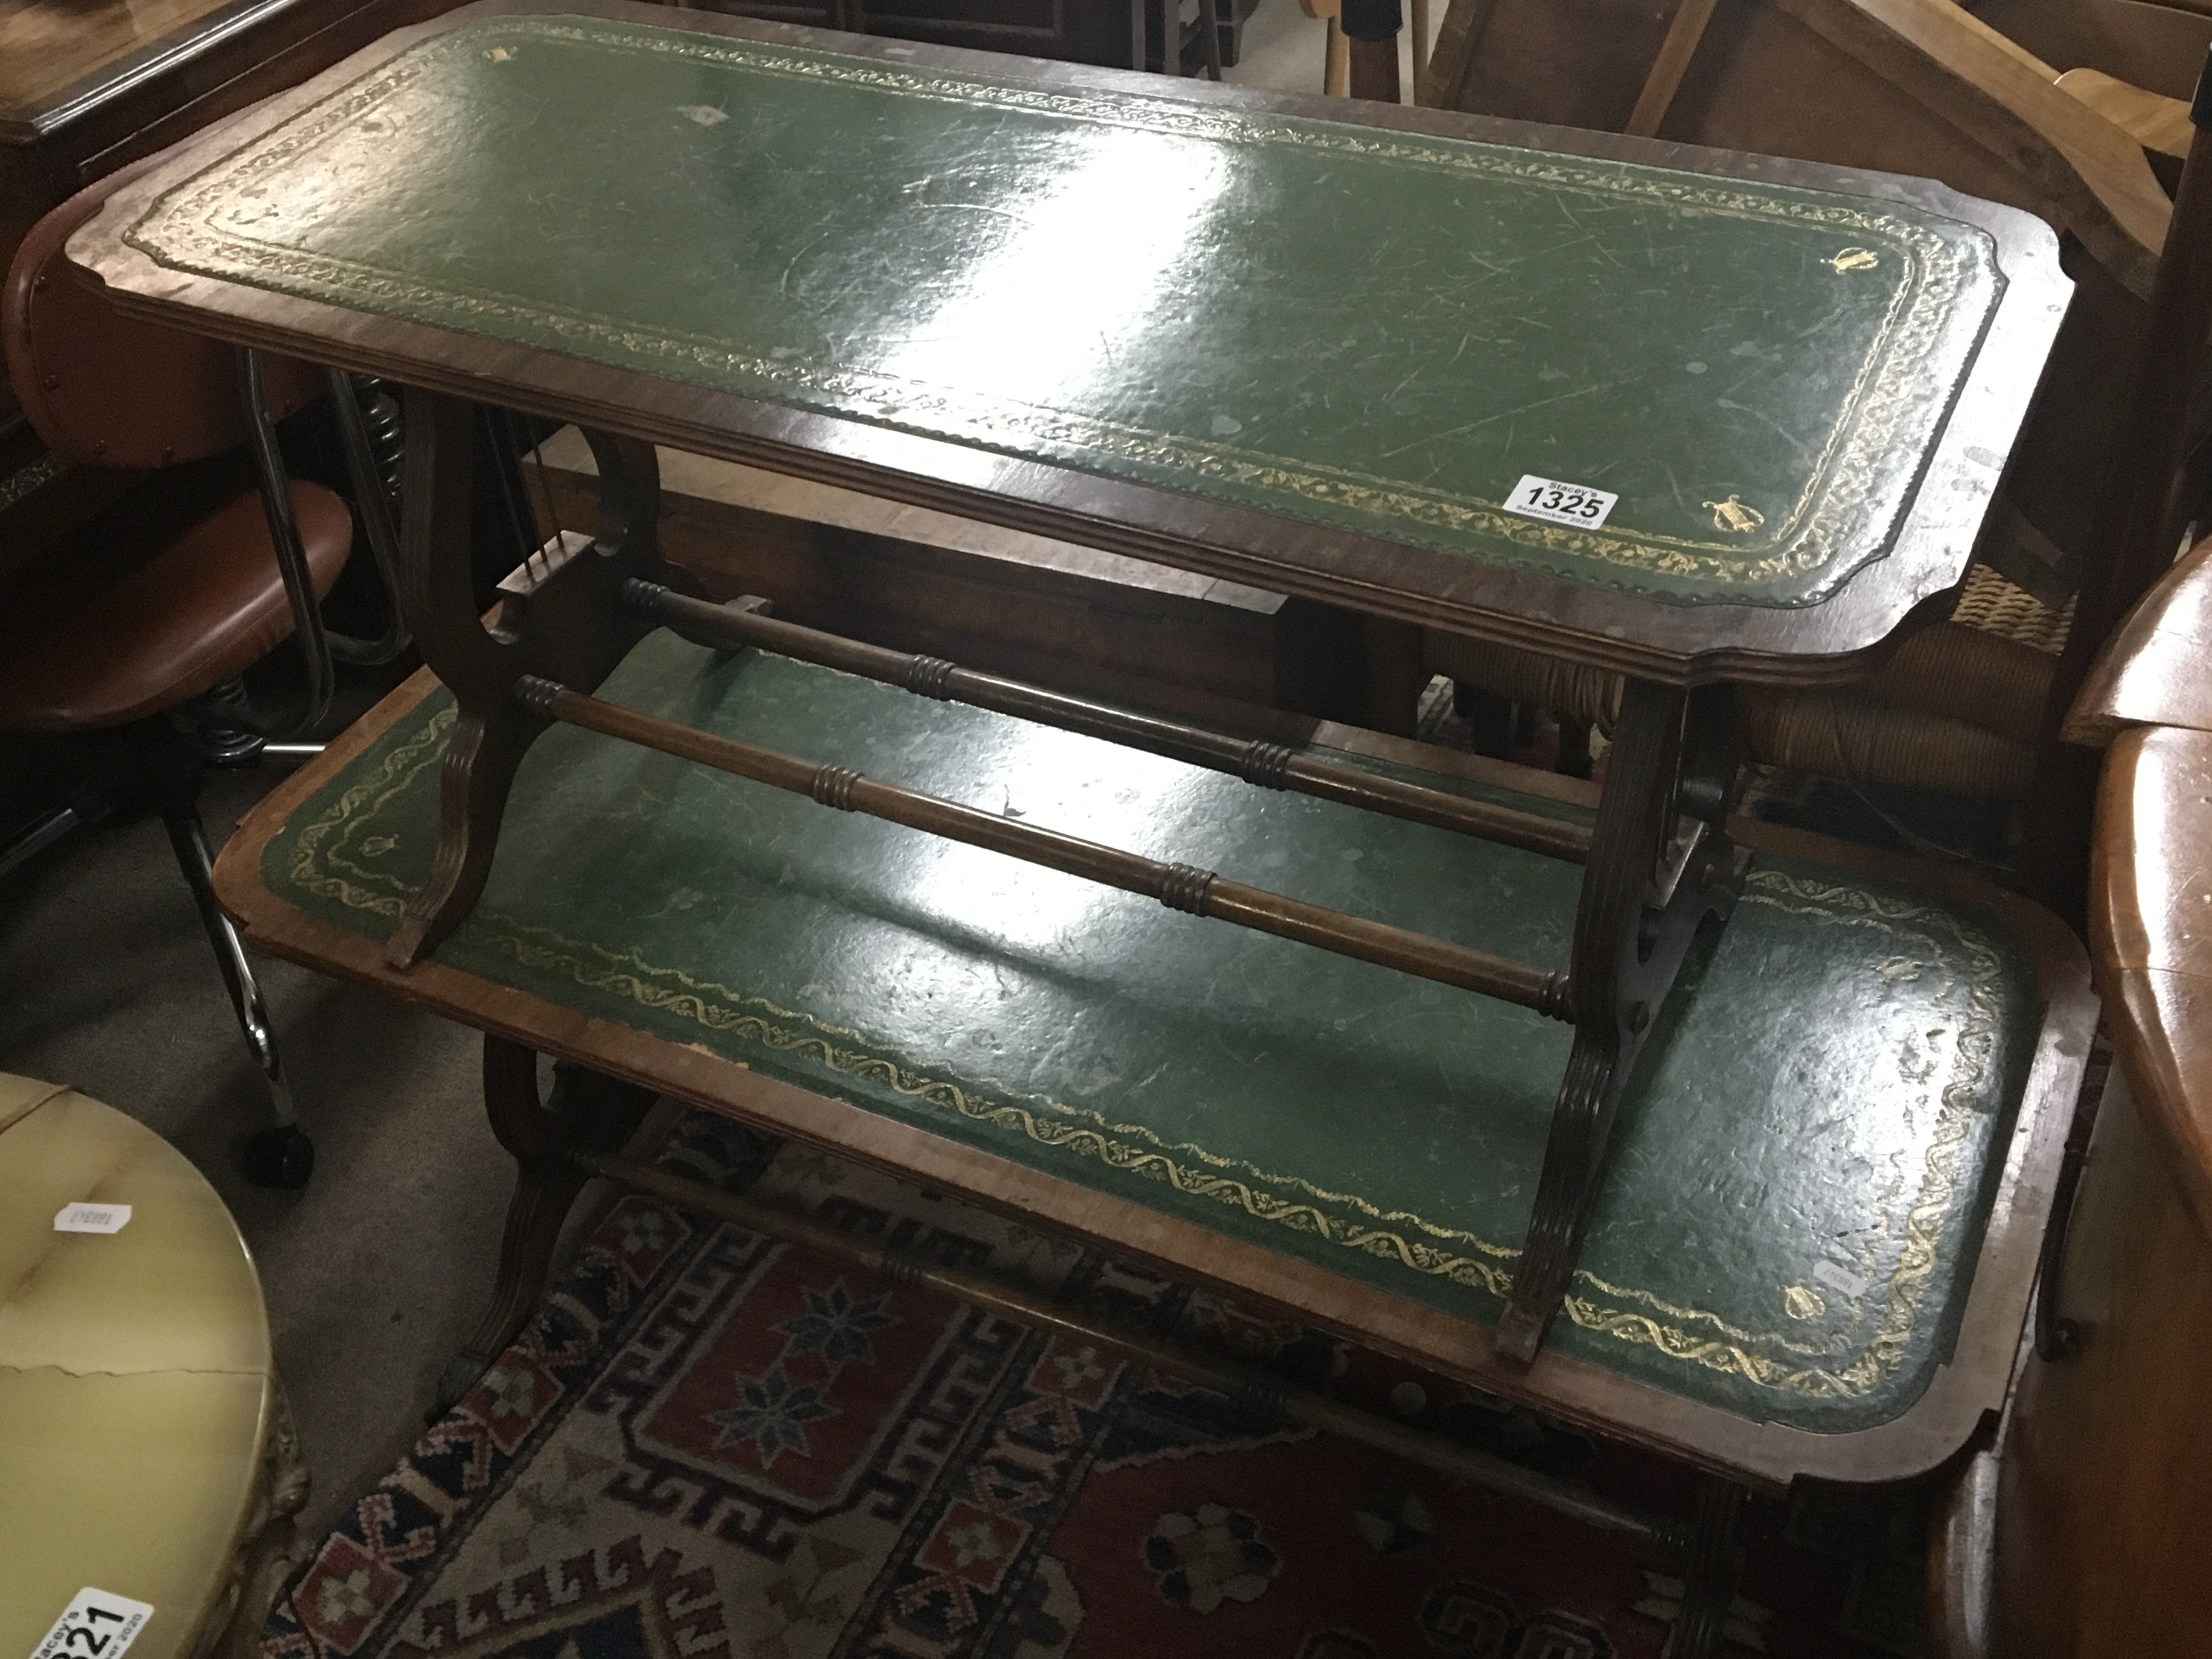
1373, 331
1796, 1200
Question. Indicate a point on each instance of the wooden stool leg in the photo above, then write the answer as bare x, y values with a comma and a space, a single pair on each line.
1659, 867
589, 1112
1371, 27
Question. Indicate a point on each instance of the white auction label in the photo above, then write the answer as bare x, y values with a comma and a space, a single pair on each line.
92, 1218
96, 1626
1560, 503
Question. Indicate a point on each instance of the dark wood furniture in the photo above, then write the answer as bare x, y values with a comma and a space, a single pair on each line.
85, 89
1071, 618
1264, 1120
2091, 511
958, 384
89, 86
1113, 34
1920, 86
2104, 1470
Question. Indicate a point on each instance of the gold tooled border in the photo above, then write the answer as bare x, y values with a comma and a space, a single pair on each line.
1844, 492
318, 863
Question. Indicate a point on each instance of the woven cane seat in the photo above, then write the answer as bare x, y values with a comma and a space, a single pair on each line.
1956, 706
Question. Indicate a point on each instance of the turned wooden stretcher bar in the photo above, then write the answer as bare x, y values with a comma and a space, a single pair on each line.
1701, 418
1813, 1255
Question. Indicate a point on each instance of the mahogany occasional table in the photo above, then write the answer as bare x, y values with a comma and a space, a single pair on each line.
1701, 418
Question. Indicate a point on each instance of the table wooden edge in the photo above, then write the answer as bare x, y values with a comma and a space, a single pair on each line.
1654, 638
1970, 1384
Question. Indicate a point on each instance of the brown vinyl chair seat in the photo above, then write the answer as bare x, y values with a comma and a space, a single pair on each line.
81, 656
153, 609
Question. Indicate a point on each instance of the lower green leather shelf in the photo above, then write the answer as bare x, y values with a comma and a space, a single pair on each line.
1792, 1219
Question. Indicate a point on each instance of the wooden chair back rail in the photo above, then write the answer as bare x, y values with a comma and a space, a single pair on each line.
1919, 86
2152, 120
2151, 44
1684, 33
1178, 886
1266, 765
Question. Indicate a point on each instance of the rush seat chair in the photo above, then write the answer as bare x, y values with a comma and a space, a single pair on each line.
146, 635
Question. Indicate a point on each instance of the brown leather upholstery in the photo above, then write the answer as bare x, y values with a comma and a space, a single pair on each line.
82, 370
136, 615
78, 657
2156, 668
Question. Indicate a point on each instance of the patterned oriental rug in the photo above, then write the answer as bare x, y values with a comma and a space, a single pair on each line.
711, 1446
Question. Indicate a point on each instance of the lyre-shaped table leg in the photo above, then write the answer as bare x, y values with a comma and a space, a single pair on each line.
589, 1112
1659, 866
560, 616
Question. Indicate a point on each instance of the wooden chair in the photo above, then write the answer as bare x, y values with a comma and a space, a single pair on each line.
1918, 87
147, 633
2151, 44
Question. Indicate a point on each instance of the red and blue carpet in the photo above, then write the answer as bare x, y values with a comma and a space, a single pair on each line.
711, 1446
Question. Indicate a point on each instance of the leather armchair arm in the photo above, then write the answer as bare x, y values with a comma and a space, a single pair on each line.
2150, 925
2156, 669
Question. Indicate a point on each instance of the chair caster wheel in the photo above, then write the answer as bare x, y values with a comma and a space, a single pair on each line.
283, 1157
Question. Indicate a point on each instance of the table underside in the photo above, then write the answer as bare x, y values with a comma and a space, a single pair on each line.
1373, 330
1795, 1200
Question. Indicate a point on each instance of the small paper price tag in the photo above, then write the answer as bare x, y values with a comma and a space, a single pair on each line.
1560, 503
95, 1626
92, 1218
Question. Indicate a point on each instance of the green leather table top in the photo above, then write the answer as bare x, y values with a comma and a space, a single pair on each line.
1373, 330
1796, 1203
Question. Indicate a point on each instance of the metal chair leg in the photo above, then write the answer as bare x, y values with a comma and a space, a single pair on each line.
281, 1155
35, 837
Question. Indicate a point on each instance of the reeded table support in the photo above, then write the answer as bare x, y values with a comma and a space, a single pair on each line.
1660, 867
